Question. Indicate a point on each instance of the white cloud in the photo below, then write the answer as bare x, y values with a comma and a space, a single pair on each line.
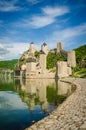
47, 17
66, 35
5, 39
15, 50
12, 50
55, 11
71, 32
41, 21
6, 6
1, 58
3, 50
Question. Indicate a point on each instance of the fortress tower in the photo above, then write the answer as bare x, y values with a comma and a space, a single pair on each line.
71, 58
59, 46
43, 61
44, 48
32, 48
62, 69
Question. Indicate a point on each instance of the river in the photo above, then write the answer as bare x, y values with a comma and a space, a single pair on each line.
24, 102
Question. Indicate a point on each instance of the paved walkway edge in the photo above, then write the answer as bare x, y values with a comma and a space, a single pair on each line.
71, 114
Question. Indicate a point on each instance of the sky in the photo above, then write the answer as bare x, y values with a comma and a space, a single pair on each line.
39, 21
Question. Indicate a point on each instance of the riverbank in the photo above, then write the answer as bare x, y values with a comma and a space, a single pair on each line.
71, 114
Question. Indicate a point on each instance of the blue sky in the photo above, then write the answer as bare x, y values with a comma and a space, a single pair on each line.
38, 21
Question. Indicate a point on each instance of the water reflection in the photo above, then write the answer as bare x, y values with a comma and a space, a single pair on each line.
34, 92
43, 92
64, 88
24, 101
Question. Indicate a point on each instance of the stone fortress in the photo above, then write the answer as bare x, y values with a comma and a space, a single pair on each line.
36, 68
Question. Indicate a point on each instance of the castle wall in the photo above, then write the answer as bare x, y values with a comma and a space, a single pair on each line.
62, 70
23, 67
31, 66
71, 58
30, 69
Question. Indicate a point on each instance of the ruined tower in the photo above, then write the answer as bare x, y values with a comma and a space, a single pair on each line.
59, 46
43, 61
62, 69
44, 48
32, 48
71, 58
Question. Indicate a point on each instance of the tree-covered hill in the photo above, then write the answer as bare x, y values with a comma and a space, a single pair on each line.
80, 69
9, 64
81, 56
52, 59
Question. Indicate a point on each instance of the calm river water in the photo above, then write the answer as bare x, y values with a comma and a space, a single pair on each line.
23, 102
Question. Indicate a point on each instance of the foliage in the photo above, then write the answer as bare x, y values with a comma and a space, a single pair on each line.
52, 96
80, 69
37, 54
9, 64
7, 86
81, 56
37, 100
79, 72
52, 59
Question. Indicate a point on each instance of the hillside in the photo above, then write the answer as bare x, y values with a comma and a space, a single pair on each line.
9, 64
81, 56
52, 59
80, 69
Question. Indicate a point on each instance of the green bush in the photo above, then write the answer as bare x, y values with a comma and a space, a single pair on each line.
52, 59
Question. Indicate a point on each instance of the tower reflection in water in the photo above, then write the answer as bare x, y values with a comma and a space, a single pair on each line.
47, 93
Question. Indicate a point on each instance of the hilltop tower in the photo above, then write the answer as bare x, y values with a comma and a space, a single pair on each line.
44, 48
32, 48
59, 47
43, 61
71, 58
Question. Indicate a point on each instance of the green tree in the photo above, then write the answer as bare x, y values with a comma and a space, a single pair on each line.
37, 54
52, 59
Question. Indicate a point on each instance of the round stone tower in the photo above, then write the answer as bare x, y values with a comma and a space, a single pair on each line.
43, 61
59, 46
71, 58
44, 48
32, 48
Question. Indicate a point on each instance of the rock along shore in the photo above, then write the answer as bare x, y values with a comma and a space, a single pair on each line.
71, 114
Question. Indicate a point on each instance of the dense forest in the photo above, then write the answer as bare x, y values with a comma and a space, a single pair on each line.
8, 64
80, 69
52, 59
81, 56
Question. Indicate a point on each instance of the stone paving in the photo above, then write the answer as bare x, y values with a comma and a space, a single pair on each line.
71, 114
